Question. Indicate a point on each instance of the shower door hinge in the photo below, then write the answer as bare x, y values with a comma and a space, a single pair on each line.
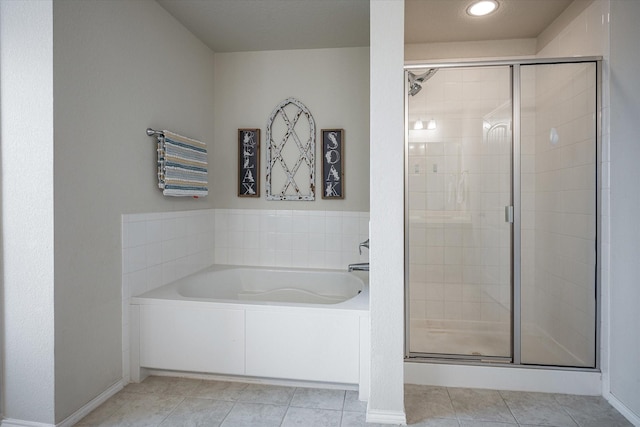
508, 214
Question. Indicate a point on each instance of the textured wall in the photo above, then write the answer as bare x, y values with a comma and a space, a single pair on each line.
119, 67
332, 83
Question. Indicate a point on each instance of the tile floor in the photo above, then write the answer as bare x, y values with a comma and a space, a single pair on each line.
169, 401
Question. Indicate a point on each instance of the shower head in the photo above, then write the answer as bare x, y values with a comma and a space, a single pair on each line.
415, 82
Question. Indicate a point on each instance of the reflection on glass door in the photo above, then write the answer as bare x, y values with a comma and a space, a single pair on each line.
459, 160
559, 214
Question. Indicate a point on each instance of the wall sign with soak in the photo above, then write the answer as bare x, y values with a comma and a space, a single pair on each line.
333, 164
248, 162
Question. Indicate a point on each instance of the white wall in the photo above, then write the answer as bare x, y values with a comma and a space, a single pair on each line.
334, 86
386, 400
624, 371
26, 59
119, 67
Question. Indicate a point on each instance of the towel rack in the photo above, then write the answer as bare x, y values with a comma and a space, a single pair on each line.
151, 132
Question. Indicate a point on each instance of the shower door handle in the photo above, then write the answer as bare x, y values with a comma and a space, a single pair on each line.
508, 214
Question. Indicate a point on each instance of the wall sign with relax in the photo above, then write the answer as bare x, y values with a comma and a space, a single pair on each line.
249, 163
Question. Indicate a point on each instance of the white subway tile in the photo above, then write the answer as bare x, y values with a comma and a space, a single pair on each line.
333, 259
235, 239
235, 256
251, 256
300, 223
251, 240
252, 222
300, 242
221, 221
137, 282
154, 232
333, 224
316, 259
284, 241
169, 251
134, 259
283, 258
221, 256
153, 254
154, 277
300, 258
236, 222
317, 241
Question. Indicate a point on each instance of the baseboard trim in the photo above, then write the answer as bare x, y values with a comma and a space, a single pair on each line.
93, 404
518, 378
386, 417
623, 409
11, 422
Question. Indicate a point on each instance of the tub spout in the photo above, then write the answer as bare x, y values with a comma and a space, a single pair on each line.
360, 266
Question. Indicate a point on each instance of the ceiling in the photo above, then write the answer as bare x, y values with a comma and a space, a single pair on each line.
433, 21
255, 25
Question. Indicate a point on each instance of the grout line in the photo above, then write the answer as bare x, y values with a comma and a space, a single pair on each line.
508, 407
455, 412
227, 414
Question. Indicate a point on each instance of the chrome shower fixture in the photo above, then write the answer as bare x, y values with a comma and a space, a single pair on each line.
415, 82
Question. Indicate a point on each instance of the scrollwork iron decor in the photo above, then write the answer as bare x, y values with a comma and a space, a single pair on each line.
291, 139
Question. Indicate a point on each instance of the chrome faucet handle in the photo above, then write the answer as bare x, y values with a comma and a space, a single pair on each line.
363, 244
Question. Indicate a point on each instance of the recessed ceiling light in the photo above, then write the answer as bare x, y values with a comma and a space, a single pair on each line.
482, 8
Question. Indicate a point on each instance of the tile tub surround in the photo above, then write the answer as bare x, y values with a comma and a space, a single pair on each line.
170, 401
290, 238
158, 248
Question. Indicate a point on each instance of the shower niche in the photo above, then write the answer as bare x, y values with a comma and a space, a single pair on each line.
500, 216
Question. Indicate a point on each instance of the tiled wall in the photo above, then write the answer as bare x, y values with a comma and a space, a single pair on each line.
158, 248
290, 238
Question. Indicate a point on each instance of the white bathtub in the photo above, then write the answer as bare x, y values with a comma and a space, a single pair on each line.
291, 324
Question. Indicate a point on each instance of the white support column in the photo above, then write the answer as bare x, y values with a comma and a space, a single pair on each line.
26, 126
386, 399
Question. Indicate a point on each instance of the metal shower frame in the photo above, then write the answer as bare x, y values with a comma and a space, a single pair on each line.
516, 337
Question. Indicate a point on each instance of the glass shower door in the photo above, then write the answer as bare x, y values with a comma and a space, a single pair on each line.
459, 174
559, 182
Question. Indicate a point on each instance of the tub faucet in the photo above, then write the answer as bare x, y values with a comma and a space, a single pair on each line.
359, 266
364, 244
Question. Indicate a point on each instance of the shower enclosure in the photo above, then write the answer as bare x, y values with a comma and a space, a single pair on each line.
501, 212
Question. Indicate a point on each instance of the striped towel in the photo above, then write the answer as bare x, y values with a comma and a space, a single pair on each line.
182, 166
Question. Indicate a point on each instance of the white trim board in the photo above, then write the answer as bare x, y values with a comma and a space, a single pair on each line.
386, 417
622, 408
73, 418
504, 378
